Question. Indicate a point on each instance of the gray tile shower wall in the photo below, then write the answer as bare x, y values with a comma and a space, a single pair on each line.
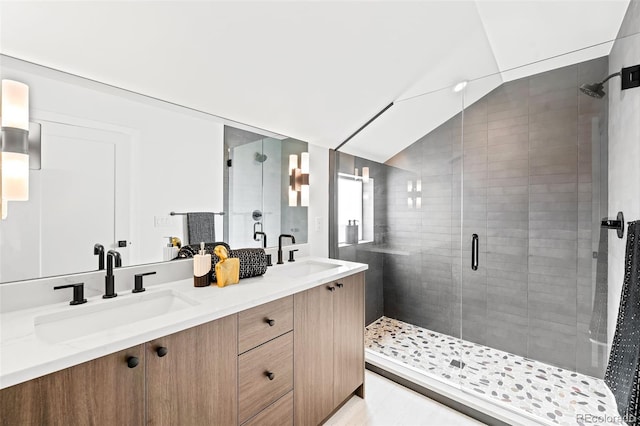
534, 189
371, 253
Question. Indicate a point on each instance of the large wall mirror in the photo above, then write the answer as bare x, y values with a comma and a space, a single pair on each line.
257, 184
116, 164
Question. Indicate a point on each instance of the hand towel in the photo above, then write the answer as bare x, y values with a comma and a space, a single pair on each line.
201, 227
623, 369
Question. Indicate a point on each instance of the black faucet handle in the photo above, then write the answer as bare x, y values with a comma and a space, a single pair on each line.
78, 293
291, 252
138, 288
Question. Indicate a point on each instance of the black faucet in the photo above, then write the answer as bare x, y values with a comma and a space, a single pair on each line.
78, 293
98, 250
293, 241
109, 279
264, 238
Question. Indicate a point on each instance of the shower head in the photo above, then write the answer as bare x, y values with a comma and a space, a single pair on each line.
261, 158
596, 90
630, 78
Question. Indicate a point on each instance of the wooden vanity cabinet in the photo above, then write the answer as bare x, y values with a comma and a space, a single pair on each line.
192, 376
348, 338
104, 391
328, 348
290, 361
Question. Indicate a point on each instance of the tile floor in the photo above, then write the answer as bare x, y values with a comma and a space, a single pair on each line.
554, 394
380, 408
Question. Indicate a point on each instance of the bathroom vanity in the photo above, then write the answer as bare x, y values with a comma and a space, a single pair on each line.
284, 348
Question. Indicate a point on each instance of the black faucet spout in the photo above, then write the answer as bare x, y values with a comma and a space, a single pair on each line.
264, 238
98, 250
293, 241
109, 280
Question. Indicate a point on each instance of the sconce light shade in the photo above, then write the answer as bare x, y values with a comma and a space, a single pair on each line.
293, 197
304, 196
15, 176
293, 163
15, 105
15, 144
304, 187
365, 174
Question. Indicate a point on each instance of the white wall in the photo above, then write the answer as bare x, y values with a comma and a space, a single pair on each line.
318, 201
624, 152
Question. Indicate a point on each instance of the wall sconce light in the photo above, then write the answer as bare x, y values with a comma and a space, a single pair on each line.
20, 142
299, 180
365, 174
15, 142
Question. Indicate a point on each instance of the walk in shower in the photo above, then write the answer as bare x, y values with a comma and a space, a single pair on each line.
488, 267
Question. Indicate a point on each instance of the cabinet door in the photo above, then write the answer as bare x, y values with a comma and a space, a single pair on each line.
195, 382
348, 332
104, 391
313, 355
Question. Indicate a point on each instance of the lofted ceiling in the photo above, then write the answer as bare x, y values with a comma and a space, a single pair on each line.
314, 71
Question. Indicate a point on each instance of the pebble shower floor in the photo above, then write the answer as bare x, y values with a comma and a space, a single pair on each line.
560, 396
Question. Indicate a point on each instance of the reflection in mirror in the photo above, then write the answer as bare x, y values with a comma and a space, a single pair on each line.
114, 165
257, 182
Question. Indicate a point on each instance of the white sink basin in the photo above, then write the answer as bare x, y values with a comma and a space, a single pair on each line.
303, 268
98, 316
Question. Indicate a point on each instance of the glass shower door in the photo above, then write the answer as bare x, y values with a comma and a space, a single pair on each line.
256, 165
534, 183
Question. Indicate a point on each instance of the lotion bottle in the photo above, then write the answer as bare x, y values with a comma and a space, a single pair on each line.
201, 268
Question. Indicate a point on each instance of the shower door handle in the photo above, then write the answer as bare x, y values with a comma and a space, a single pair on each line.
474, 252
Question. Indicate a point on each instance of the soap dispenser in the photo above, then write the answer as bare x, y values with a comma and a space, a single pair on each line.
201, 268
170, 252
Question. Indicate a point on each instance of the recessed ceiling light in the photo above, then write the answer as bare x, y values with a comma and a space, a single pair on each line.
458, 87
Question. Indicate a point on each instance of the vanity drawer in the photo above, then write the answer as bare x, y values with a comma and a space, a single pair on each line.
280, 413
256, 390
253, 324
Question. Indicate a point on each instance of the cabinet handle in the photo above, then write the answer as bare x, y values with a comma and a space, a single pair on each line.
132, 362
340, 285
270, 321
270, 375
331, 288
162, 351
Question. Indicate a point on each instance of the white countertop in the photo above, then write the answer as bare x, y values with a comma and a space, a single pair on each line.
26, 353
